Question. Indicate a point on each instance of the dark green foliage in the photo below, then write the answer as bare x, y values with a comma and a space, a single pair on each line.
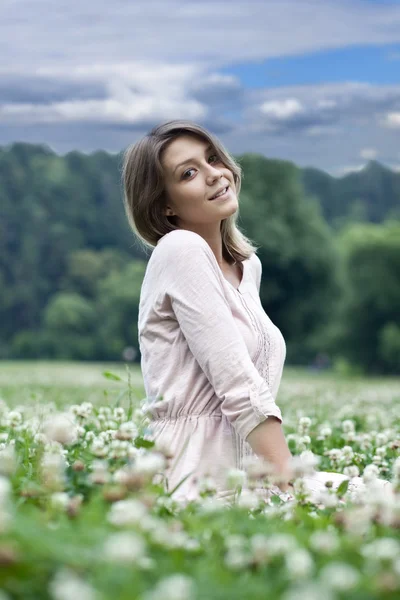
71, 272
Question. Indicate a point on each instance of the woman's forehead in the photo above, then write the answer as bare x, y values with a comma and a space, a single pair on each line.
184, 147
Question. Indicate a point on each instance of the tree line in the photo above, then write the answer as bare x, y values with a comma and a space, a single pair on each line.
71, 272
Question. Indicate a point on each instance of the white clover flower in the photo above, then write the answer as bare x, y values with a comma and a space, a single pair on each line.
149, 464
126, 431
257, 467
149, 524
66, 585
309, 591
8, 460
259, 547
301, 488
304, 425
54, 447
210, 505
348, 425
299, 563
236, 478
98, 448
281, 543
13, 419
173, 587
381, 451
325, 431
327, 498
106, 436
235, 540
164, 447
127, 512
396, 567
83, 410
396, 468
99, 473
347, 454
383, 549
248, 499
118, 449
124, 547
59, 500
371, 472
119, 413
5, 490
304, 442
324, 541
358, 520
339, 576
237, 558
52, 466
351, 471
381, 439
304, 464
335, 455
6, 520
60, 428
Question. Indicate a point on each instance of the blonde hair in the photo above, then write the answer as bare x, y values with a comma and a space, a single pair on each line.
144, 192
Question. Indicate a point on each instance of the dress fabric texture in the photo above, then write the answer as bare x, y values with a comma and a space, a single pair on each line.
211, 360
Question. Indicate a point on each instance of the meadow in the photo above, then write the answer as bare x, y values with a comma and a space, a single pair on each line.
84, 514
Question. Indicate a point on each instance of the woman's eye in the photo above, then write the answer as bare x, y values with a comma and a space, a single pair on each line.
213, 157
185, 173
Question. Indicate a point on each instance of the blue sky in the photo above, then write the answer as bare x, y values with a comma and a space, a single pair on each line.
315, 82
364, 63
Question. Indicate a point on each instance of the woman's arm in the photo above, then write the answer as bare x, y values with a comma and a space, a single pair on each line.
268, 441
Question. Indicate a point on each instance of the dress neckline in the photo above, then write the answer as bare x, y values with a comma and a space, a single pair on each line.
243, 263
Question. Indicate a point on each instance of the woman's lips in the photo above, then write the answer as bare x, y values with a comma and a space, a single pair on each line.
222, 196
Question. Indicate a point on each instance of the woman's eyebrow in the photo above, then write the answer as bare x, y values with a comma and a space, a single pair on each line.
209, 147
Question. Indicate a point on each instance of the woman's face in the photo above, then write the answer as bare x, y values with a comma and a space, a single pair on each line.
193, 175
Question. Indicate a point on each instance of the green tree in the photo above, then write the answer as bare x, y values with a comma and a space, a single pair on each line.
369, 316
299, 289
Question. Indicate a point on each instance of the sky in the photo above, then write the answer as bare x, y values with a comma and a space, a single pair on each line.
315, 82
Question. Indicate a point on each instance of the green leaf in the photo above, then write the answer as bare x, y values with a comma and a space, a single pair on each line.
342, 489
109, 375
142, 443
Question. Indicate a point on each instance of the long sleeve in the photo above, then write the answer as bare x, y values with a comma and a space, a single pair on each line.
193, 282
259, 273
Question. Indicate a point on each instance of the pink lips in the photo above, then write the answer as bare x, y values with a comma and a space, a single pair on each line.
222, 197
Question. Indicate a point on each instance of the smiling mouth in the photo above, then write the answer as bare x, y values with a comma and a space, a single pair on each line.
220, 193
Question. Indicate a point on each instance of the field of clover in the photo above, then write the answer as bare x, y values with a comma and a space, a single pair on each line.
84, 514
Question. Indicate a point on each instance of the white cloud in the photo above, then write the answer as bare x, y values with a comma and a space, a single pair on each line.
108, 71
204, 32
391, 120
283, 109
368, 153
349, 169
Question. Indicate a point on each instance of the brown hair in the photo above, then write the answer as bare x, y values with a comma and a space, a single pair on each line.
144, 193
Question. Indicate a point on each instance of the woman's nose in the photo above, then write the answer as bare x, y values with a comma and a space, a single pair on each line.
213, 173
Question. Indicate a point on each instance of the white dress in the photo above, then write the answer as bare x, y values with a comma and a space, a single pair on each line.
211, 360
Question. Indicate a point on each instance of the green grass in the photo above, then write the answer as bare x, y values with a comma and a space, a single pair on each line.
214, 548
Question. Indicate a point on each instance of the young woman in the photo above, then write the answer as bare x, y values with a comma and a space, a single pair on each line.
211, 358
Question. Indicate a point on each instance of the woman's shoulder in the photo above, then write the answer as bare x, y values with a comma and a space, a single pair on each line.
181, 237
176, 245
